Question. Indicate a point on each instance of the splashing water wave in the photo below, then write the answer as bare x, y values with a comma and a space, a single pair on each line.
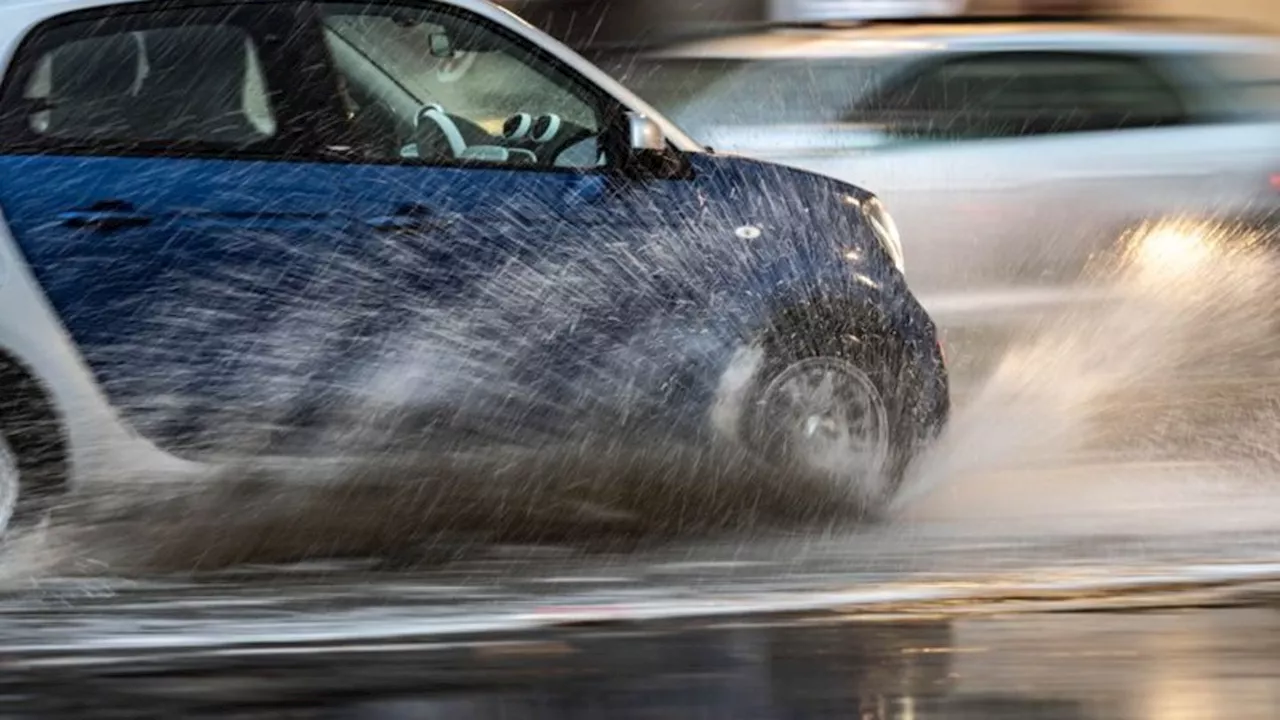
1147, 373
1180, 366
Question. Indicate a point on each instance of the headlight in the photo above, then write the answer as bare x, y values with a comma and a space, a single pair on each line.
1173, 250
885, 228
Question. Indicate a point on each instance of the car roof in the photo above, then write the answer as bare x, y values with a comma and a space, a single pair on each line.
900, 38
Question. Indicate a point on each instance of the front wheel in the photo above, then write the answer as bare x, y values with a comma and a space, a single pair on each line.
826, 415
839, 396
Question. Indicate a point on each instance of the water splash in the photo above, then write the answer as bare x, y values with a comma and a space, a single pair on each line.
1181, 363
1193, 304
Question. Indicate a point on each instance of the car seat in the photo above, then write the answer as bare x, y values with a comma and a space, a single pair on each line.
91, 85
443, 136
193, 87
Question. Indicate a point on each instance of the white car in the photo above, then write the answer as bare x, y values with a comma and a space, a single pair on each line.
1008, 151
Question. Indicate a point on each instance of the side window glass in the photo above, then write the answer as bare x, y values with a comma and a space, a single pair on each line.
446, 88
1234, 85
1018, 94
199, 84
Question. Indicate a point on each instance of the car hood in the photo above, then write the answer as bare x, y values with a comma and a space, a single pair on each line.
796, 207
748, 168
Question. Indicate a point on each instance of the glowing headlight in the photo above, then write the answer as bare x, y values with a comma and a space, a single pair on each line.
885, 228
1173, 250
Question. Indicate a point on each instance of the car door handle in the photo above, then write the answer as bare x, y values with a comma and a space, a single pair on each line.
410, 218
105, 215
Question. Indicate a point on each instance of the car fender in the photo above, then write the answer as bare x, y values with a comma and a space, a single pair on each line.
32, 335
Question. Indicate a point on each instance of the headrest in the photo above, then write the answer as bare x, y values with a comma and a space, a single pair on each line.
204, 59
194, 85
96, 68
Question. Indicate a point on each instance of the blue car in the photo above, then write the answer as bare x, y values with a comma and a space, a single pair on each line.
294, 230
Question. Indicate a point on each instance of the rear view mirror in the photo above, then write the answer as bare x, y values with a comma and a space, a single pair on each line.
440, 45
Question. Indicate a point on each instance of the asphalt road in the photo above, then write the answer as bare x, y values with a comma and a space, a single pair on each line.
1141, 591
1163, 664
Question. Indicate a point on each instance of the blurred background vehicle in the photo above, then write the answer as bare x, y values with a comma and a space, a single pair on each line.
1009, 151
610, 22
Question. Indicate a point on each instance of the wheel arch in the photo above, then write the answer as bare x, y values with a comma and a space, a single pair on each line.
907, 343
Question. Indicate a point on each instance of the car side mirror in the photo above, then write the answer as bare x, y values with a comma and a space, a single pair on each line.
646, 135
651, 156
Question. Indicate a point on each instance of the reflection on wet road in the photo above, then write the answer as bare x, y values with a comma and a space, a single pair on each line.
1161, 665
943, 613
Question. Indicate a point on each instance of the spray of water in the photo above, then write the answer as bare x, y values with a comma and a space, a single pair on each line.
462, 432
1192, 307
1177, 366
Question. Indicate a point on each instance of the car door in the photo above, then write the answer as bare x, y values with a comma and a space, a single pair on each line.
482, 174
155, 174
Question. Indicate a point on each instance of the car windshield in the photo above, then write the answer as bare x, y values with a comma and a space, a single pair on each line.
699, 94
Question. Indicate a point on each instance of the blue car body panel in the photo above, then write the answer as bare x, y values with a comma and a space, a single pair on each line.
220, 302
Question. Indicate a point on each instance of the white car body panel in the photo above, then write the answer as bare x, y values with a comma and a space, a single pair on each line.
897, 39
845, 10
99, 443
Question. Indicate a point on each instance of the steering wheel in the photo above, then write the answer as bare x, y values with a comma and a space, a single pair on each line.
573, 136
437, 134
441, 135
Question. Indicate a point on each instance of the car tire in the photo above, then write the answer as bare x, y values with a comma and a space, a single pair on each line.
835, 394
33, 458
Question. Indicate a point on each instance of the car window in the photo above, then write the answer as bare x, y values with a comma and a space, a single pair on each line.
1244, 84
177, 84
1016, 94
441, 86
701, 94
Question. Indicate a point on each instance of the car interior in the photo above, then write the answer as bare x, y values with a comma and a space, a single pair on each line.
388, 118
186, 83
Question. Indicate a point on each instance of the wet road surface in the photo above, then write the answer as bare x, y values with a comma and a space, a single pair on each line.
1158, 605
1035, 592
1157, 664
